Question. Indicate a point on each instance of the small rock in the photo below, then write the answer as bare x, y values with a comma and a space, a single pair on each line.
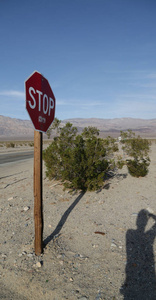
101, 202
113, 245
26, 208
80, 256
11, 198
71, 279
95, 246
38, 265
24, 252
150, 210
30, 255
77, 255
4, 255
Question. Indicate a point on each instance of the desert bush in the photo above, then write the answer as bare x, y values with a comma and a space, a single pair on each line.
55, 126
10, 145
137, 150
31, 144
80, 161
137, 169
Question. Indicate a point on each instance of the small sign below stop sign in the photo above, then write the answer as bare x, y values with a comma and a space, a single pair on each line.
40, 101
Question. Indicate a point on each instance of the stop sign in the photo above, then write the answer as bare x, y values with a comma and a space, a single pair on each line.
40, 101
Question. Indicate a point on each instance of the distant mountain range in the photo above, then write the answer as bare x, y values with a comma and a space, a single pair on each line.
12, 129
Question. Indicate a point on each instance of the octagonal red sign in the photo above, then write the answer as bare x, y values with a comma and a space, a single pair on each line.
40, 101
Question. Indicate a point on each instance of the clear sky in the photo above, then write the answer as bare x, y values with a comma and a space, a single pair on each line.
99, 56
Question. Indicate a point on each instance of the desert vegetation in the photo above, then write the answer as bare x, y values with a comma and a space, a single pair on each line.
137, 150
20, 144
82, 161
16, 144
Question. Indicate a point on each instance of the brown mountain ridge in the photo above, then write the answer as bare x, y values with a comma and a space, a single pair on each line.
11, 128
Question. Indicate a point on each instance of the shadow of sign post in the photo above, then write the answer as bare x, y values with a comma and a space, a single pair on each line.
63, 220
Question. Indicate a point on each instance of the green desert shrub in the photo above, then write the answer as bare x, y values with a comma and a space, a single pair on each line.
80, 161
55, 126
31, 144
10, 145
137, 150
137, 169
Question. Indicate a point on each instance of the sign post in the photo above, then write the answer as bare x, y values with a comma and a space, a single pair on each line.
40, 104
38, 202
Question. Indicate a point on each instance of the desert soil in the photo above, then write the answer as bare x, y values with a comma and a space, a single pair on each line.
84, 235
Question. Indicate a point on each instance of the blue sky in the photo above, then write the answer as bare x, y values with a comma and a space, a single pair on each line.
99, 56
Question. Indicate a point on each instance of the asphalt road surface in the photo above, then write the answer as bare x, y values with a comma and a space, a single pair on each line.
13, 157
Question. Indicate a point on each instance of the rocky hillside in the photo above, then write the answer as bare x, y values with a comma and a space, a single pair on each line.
146, 128
11, 128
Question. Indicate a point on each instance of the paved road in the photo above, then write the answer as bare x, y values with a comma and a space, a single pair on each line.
13, 157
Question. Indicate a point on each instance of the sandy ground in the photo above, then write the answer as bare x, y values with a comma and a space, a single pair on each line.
85, 254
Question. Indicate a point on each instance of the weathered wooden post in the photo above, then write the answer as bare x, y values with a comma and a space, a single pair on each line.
38, 201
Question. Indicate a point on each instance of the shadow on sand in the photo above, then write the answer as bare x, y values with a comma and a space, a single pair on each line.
140, 281
63, 220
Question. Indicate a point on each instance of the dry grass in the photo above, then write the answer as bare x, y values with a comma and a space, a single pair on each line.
17, 144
